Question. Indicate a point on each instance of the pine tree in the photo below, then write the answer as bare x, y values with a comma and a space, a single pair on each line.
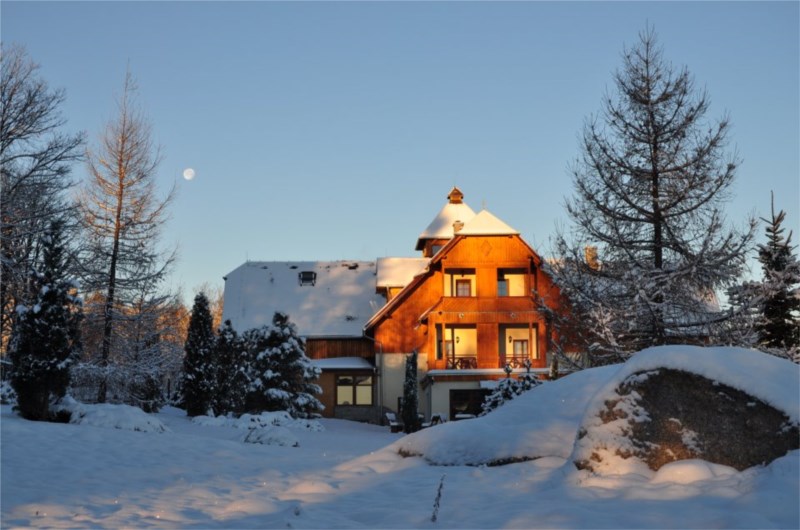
410, 410
649, 186
199, 379
229, 352
280, 375
779, 296
45, 339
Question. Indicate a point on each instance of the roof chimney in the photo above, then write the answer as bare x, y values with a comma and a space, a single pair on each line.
590, 255
457, 226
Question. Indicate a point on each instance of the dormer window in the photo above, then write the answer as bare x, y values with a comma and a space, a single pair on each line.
307, 278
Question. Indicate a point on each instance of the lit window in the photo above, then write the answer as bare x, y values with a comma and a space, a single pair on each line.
520, 347
354, 390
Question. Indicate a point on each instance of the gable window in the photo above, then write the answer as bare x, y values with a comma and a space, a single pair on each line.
460, 282
354, 390
463, 288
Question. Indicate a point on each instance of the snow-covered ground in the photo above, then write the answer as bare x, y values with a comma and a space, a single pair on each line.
202, 474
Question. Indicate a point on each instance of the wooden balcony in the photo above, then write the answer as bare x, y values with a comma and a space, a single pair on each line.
471, 363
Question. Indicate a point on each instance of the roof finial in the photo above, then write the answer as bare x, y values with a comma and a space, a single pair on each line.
455, 196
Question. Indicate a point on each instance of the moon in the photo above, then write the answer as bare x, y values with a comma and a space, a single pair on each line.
188, 173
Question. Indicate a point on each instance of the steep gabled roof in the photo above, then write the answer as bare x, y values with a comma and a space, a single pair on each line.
338, 303
486, 224
442, 225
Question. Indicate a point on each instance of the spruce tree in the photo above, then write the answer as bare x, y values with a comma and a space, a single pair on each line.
45, 339
280, 375
229, 352
410, 415
778, 326
298, 374
199, 375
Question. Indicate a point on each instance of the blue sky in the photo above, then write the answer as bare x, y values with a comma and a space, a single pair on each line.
334, 130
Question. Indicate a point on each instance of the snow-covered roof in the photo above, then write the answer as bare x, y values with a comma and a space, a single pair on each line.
442, 225
343, 363
486, 224
336, 298
398, 272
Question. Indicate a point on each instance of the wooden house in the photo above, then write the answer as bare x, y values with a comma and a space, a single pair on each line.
468, 314
467, 306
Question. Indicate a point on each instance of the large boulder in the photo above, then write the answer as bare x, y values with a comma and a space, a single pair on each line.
653, 415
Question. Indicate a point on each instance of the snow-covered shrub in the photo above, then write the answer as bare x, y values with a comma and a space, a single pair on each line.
123, 417
509, 388
258, 421
272, 435
7, 394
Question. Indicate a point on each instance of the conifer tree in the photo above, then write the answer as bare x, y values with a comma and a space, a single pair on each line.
778, 326
229, 352
410, 415
122, 219
650, 183
199, 379
45, 339
509, 388
280, 375
506, 390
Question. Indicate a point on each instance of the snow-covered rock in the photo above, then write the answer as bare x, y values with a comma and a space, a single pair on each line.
729, 406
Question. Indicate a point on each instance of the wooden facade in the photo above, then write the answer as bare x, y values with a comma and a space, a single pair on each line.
488, 324
329, 347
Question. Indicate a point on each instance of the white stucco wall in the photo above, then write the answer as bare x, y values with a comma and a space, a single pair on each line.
392, 368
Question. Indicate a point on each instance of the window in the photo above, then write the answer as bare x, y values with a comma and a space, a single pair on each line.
520, 348
510, 282
354, 390
307, 278
460, 282
502, 287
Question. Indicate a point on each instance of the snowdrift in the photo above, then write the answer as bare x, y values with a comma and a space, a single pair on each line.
547, 421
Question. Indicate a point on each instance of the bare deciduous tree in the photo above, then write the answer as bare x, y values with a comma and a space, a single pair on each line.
122, 218
35, 163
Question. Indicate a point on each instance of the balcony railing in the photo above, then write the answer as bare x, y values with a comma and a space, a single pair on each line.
471, 363
462, 363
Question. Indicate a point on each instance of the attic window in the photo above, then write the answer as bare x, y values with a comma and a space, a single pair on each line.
307, 278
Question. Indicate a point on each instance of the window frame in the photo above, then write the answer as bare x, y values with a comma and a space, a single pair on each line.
461, 282
357, 381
